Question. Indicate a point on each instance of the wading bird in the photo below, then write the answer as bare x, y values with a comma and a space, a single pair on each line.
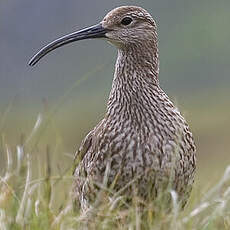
143, 143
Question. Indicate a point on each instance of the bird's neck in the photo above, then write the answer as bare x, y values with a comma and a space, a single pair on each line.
141, 58
135, 80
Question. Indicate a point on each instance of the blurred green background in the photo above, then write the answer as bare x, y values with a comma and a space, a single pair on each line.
69, 87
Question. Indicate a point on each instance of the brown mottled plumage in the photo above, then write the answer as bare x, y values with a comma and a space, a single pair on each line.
143, 139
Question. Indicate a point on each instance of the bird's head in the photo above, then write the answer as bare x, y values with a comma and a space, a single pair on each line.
129, 25
124, 27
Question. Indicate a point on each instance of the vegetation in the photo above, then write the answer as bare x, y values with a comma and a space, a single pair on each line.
36, 171
35, 196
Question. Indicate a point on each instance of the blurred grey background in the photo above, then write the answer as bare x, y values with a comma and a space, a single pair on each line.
194, 45
194, 42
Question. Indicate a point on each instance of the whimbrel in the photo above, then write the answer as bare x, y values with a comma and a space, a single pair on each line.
143, 142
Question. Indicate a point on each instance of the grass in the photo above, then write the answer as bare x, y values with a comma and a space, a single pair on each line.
36, 177
33, 197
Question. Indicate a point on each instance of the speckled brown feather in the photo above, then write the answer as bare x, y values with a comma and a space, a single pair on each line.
143, 136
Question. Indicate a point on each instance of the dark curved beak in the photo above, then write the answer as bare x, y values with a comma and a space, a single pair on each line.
96, 31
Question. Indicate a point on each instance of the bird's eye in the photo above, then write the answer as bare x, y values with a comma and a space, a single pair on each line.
126, 21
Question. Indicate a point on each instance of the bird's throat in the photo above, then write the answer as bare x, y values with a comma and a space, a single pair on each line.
135, 80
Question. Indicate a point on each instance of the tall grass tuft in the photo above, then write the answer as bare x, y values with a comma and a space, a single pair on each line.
29, 199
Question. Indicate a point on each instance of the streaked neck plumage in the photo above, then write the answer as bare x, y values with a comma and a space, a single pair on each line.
135, 78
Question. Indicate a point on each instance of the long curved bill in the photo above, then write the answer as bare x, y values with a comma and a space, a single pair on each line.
96, 31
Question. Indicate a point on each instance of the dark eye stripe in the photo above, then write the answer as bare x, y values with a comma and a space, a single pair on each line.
126, 21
